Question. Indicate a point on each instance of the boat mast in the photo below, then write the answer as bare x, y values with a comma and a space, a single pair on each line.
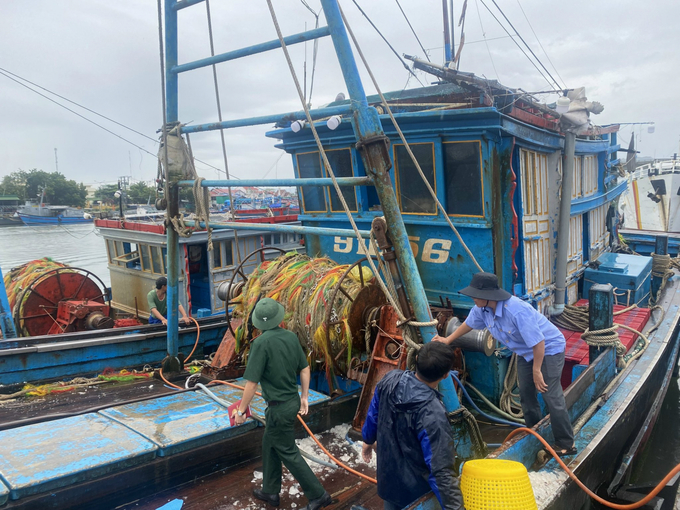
447, 34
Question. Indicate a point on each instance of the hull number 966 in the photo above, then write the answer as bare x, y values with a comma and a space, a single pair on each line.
435, 251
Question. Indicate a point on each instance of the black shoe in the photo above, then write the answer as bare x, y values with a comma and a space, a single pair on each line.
272, 499
320, 502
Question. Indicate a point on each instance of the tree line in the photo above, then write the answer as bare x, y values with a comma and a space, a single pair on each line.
29, 185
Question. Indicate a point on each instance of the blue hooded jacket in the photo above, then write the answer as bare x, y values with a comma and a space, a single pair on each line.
415, 443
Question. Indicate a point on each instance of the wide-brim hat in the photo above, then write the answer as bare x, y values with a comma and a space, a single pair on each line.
268, 314
485, 286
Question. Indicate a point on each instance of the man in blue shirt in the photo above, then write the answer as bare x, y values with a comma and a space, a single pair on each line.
539, 346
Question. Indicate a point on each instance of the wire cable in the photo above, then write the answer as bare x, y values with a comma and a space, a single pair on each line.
539, 43
479, 15
520, 48
525, 44
413, 30
403, 62
15, 77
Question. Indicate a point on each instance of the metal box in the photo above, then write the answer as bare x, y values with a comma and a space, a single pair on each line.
630, 275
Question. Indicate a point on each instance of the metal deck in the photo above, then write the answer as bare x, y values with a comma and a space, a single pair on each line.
46, 456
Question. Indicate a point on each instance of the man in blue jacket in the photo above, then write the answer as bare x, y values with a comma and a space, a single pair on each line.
415, 443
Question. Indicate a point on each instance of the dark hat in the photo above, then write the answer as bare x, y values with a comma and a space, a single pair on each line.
485, 286
268, 314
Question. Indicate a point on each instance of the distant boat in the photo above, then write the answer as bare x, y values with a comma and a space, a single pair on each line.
37, 214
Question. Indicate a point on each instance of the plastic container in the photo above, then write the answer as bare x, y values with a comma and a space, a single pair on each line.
496, 484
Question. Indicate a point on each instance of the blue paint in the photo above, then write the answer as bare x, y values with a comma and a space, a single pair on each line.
342, 181
630, 274
6, 322
175, 504
278, 227
252, 50
45, 456
267, 119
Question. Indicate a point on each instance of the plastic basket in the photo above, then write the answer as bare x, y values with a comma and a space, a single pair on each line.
496, 484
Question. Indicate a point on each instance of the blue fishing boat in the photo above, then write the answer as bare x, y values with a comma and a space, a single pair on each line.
403, 196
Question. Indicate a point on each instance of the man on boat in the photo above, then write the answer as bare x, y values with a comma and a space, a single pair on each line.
415, 448
158, 304
276, 358
539, 346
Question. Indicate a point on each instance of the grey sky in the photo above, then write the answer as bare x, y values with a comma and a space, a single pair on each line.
104, 55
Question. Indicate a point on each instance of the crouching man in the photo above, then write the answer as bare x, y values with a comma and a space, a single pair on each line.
414, 440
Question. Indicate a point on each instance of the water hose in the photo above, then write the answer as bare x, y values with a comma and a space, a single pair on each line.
487, 416
585, 489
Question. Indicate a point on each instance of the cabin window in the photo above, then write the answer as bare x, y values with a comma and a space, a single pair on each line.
146, 259
110, 250
589, 181
341, 163
217, 255
577, 178
129, 257
156, 263
228, 254
414, 197
575, 257
535, 220
313, 197
597, 231
463, 178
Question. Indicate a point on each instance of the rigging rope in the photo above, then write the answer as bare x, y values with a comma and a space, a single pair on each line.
330, 172
403, 139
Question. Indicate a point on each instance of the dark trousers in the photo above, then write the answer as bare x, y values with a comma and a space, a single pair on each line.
390, 506
278, 446
554, 397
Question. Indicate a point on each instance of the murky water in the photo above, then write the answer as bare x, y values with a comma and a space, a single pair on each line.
75, 245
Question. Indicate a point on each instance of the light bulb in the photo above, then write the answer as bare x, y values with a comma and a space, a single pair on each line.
334, 122
563, 104
650, 129
297, 125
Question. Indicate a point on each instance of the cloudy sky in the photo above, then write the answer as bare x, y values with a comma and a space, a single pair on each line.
105, 56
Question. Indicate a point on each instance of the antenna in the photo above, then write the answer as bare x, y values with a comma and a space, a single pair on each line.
56, 161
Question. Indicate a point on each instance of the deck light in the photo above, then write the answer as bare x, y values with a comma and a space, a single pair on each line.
297, 125
334, 122
563, 104
650, 129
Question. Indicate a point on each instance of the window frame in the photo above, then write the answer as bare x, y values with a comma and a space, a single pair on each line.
397, 179
481, 177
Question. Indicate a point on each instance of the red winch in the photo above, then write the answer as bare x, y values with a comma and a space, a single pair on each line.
49, 298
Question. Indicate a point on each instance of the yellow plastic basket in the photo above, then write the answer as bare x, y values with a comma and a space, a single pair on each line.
496, 484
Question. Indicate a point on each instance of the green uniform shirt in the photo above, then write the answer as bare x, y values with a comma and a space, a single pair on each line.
153, 302
276, 358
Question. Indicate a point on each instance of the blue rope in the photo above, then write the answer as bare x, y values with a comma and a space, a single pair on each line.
487, 416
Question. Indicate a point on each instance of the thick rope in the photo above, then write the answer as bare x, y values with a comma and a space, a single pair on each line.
403, 139
330, 172
510, 401
661, 268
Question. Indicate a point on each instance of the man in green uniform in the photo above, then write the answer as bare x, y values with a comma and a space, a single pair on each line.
158, 304
276, 357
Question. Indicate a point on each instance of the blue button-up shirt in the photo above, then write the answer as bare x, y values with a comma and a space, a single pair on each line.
518, 326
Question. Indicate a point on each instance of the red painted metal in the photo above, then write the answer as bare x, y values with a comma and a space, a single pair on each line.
576, 352
226, 364
389, 353
48, 298
131, 225
534, 119
77, 315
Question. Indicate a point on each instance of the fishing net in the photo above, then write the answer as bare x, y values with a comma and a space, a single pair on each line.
20, 278
304, 286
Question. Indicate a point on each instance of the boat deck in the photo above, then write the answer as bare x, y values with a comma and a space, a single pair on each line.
233, 489
59, 455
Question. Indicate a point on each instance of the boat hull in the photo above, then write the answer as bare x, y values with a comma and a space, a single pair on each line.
72, 354
30, 219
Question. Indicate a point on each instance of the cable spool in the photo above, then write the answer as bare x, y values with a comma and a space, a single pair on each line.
477, 340
48, 297
326, 305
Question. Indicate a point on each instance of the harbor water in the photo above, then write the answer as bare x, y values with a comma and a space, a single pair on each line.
81, 246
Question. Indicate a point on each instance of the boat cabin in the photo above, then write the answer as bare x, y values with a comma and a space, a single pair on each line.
497, 172
137, 256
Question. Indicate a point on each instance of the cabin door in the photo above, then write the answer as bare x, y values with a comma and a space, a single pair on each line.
535, 220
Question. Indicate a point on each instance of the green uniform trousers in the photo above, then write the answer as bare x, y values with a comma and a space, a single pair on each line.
278, 445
